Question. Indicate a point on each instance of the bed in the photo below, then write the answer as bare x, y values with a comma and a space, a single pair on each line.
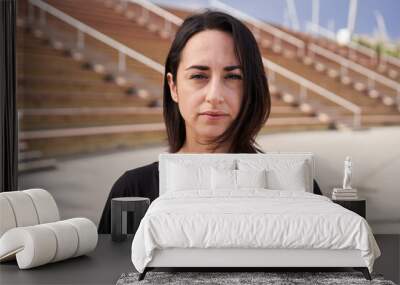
247, 211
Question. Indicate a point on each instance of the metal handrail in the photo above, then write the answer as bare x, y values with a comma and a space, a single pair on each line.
391, 59
353, 45
85, 29
317, 29
366, 51
356, 110
346, 63
281, 35
158, 11
322, 31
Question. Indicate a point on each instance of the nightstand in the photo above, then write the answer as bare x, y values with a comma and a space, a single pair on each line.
120, 207
358, 206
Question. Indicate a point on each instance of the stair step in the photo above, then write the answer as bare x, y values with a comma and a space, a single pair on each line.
57, 99
88, 131
38, 119
37, 165
22, 146
29, 155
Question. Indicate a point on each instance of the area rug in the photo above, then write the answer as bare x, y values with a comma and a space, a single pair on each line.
268, 278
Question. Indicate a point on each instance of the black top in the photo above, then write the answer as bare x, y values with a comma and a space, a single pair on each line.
139, 182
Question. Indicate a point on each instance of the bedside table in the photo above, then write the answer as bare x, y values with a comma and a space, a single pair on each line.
120, 207
358, 206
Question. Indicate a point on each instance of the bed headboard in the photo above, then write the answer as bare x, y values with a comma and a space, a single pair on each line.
203, 158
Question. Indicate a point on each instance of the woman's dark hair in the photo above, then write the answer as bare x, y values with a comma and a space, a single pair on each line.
256, 103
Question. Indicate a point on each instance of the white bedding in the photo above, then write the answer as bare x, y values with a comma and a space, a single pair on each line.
250, 218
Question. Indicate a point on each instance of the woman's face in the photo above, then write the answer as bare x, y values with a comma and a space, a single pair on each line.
209, 78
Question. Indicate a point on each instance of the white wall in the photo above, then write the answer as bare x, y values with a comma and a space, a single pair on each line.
376, 166
81, 186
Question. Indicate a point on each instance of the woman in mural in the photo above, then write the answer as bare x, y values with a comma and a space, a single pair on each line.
216, 99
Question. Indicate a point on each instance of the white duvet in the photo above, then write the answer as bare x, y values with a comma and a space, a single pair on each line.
252, 218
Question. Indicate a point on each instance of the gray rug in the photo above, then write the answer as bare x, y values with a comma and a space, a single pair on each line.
269, 278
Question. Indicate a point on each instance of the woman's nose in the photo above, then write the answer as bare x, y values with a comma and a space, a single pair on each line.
215, 91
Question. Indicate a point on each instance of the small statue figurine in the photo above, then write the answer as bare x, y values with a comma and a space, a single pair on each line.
347, 173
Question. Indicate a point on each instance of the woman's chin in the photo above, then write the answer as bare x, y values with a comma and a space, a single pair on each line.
211, 131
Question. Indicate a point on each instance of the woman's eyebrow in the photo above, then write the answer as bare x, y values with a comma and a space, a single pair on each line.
204, 67
232, 67
201, 67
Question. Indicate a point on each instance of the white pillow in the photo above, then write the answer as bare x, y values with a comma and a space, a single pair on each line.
227, 179
186, 175
223, 179
187, 178
292, 179
251, 178
282, 174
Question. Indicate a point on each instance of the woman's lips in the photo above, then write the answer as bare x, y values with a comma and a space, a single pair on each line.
213, 117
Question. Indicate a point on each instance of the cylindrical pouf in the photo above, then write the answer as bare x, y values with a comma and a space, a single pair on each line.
7, 218
33, 246
27, 208
87, 234
45, 205
40, 244
23, 208
67, 239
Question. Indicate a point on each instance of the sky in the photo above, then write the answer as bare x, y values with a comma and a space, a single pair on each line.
333, 13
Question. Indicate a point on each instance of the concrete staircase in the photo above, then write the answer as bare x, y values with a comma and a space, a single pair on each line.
74, 101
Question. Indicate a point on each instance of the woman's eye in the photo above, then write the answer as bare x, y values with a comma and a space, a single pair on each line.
234, 76
198, 76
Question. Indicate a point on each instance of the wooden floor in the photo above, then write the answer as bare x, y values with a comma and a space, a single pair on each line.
105, 266
389, 262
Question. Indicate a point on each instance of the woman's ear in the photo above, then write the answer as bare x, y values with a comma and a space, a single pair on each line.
172, 87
